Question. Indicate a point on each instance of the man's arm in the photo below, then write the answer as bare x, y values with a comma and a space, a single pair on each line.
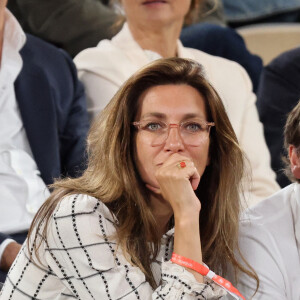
73, 137
8, 251
9, 254
73, 25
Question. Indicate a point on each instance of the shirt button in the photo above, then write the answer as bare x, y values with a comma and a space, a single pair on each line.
30, 209
177, 285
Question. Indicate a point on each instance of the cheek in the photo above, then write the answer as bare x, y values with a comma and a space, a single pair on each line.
201, 158
144, 157
185, 6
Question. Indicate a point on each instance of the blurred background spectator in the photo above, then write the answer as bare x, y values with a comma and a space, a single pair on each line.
75, 25
244, 12
278, 93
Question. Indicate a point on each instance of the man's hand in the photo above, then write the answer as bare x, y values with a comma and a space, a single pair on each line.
9, 255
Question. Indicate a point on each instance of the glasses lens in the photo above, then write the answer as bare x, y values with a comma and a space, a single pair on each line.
194, 132
191, 132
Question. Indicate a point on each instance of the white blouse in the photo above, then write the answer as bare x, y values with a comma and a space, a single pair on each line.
81, 261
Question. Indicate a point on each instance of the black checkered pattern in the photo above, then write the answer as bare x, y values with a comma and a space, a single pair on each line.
80, 260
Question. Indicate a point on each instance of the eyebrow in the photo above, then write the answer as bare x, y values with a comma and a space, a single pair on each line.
164, 116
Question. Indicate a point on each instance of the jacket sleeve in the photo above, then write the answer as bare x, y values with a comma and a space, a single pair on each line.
3, 237
72, 137
70, 24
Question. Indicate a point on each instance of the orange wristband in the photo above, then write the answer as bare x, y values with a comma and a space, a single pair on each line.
205, 271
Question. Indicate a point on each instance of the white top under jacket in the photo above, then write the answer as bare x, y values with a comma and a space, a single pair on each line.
81, 260
270, 241
21, 186
105, 68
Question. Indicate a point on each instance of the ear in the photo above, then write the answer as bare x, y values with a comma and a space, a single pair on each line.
295, 161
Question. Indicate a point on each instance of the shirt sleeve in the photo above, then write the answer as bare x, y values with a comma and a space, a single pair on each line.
81, 249
252, 141
178, 283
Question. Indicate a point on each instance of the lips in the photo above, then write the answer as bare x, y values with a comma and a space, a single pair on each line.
153, 1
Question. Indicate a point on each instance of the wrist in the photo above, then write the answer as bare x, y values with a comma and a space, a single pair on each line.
187, 211
183, 219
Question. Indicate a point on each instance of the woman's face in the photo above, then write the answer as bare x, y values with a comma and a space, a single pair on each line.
171, 104
155, 12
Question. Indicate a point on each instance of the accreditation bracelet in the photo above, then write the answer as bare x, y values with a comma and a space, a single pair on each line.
205, 271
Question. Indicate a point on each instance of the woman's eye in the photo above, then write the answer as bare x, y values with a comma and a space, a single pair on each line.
194, 127
153, 126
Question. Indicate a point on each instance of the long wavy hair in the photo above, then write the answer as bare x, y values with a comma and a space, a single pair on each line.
112, 177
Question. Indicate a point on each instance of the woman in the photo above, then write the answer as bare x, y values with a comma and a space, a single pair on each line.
151, 32
162, 154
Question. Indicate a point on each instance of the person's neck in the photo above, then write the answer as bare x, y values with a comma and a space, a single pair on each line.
160, 40
162, 212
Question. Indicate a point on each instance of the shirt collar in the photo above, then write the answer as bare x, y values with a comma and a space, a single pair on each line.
126, 40
14, 39
14, 35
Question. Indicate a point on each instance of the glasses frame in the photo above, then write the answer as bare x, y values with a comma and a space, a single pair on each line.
137, 124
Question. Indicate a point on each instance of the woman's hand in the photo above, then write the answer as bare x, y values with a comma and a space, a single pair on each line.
177, 185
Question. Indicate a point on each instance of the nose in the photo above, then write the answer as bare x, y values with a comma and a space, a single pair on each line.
174, 141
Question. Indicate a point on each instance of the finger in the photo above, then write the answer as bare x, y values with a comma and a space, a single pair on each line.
175, 158
195, 180
192, 174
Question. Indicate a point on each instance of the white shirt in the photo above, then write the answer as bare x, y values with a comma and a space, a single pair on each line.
81, 260
21, 187
270, 242
103, 69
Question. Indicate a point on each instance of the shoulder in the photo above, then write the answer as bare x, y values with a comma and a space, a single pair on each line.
289, 58
38, 51
231, 82
108, 62
81, 204
119, 56
97, 56
215, 62
223, 73
78, 218
285, 67
267, 241
272, 216
52, 65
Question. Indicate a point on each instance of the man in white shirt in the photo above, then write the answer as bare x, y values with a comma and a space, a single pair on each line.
270, 231
43, 126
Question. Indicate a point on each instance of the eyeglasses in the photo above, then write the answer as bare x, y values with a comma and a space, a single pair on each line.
193, 132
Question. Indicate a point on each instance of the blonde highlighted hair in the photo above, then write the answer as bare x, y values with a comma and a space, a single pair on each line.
112, 177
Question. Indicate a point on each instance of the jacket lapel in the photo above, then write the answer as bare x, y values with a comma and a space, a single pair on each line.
33, 94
